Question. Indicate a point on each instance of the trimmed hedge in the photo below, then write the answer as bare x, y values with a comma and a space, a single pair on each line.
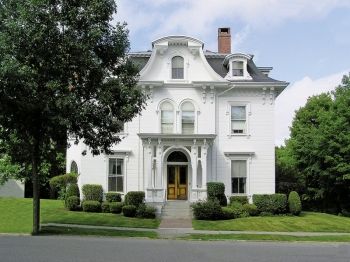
216, 191
105, 207
237, 210
145, 211
113, 197
129, 211
115, 207
241, 199
207, 210
274, 203
72, 203
135, 198
72, 190
227, 213
251, 209
63, 180
91, 206
92, 192
294, 203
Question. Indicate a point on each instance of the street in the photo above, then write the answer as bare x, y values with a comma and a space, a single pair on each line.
74, 248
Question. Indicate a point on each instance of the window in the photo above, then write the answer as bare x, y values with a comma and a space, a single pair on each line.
167, 117
238, 120
177, 66
237, 68
238, 176
116, 175
74, 167
187, 112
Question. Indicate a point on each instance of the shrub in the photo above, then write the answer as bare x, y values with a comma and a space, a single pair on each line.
91, 206
72, 190
113, 197
105, 207
145, 211
265, 214
135, 198
251, 209
129, 211
241, 199
237, 210
207, 210
115, 207
216, 191
227, 213
274, 203
279, 203
294, 203
72, 203
63, 180
92, 192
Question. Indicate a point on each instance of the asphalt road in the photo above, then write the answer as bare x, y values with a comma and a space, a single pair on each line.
63, 249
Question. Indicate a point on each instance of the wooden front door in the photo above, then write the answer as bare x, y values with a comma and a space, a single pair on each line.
177, 182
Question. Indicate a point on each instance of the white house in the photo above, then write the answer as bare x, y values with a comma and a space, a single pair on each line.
209, 117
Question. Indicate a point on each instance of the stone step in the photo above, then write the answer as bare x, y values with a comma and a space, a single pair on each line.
177, 210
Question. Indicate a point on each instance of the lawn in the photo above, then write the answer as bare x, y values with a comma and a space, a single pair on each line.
16, 216
306, 222
255, 237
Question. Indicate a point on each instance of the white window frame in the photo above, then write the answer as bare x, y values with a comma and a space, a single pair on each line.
159, 112
240, 156
183, 68
248, 114
170, 69
195, 113
246, 177
123, 173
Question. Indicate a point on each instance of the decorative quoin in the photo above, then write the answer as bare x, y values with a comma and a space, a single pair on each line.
202, 107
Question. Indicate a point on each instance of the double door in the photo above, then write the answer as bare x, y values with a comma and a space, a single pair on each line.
177, 182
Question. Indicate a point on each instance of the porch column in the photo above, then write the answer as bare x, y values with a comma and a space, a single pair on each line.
148, 165
159, 173
204, 166
194, 163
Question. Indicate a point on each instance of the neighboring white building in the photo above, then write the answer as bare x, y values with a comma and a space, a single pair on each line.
209, 117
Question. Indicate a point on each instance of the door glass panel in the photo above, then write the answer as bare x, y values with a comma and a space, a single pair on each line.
171, 175
183, 175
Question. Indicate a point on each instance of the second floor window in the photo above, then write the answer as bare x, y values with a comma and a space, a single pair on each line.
167, 117
187, 111
238, 120
177, 67
237, 68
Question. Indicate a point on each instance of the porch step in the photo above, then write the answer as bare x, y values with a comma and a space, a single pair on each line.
177, 210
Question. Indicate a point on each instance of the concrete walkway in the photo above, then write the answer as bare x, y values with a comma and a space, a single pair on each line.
179, 232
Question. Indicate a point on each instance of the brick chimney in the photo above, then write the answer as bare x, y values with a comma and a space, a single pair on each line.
224, 40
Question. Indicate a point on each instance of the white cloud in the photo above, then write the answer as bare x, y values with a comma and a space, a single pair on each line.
200, 18
295, 96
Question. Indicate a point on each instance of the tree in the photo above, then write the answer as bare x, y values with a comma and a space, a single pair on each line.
64, 70
320, 146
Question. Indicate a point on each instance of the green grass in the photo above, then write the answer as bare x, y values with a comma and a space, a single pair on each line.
49, 230
16, 216
255, 237
306, 222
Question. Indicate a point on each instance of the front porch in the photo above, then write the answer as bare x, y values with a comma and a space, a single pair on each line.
175, 166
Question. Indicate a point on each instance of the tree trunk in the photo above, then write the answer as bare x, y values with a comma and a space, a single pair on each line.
36, 189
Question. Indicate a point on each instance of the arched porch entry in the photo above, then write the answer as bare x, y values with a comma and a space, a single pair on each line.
177, 173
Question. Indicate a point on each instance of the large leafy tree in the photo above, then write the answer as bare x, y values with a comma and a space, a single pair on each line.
63, 70
319, 147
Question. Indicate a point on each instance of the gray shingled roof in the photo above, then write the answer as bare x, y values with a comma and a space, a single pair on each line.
215, 60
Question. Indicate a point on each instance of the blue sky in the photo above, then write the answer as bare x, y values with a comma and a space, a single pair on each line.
306, 42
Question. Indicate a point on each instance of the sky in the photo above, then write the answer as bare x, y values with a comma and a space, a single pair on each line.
306, 42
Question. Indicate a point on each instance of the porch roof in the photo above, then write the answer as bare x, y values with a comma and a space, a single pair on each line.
177, 136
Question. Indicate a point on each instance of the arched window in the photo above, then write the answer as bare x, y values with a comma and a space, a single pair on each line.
167, 117
177, 66
74, 167
187, 118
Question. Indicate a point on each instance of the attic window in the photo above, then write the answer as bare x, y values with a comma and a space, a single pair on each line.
237, 68
177, 67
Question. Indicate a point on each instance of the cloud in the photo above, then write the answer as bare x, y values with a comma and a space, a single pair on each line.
200, 18
295, 96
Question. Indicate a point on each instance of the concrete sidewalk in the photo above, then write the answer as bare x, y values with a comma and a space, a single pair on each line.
179, 232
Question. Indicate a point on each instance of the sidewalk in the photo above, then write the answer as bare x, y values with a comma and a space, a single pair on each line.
179, 232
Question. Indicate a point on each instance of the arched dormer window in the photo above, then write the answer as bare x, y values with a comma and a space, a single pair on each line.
177, 67
187, 118
167, 117
74, 167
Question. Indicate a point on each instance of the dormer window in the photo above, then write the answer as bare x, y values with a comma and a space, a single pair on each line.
177, 66
237, 68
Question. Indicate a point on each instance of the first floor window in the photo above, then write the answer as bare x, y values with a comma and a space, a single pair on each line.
239, 176
116, 175
74, 167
